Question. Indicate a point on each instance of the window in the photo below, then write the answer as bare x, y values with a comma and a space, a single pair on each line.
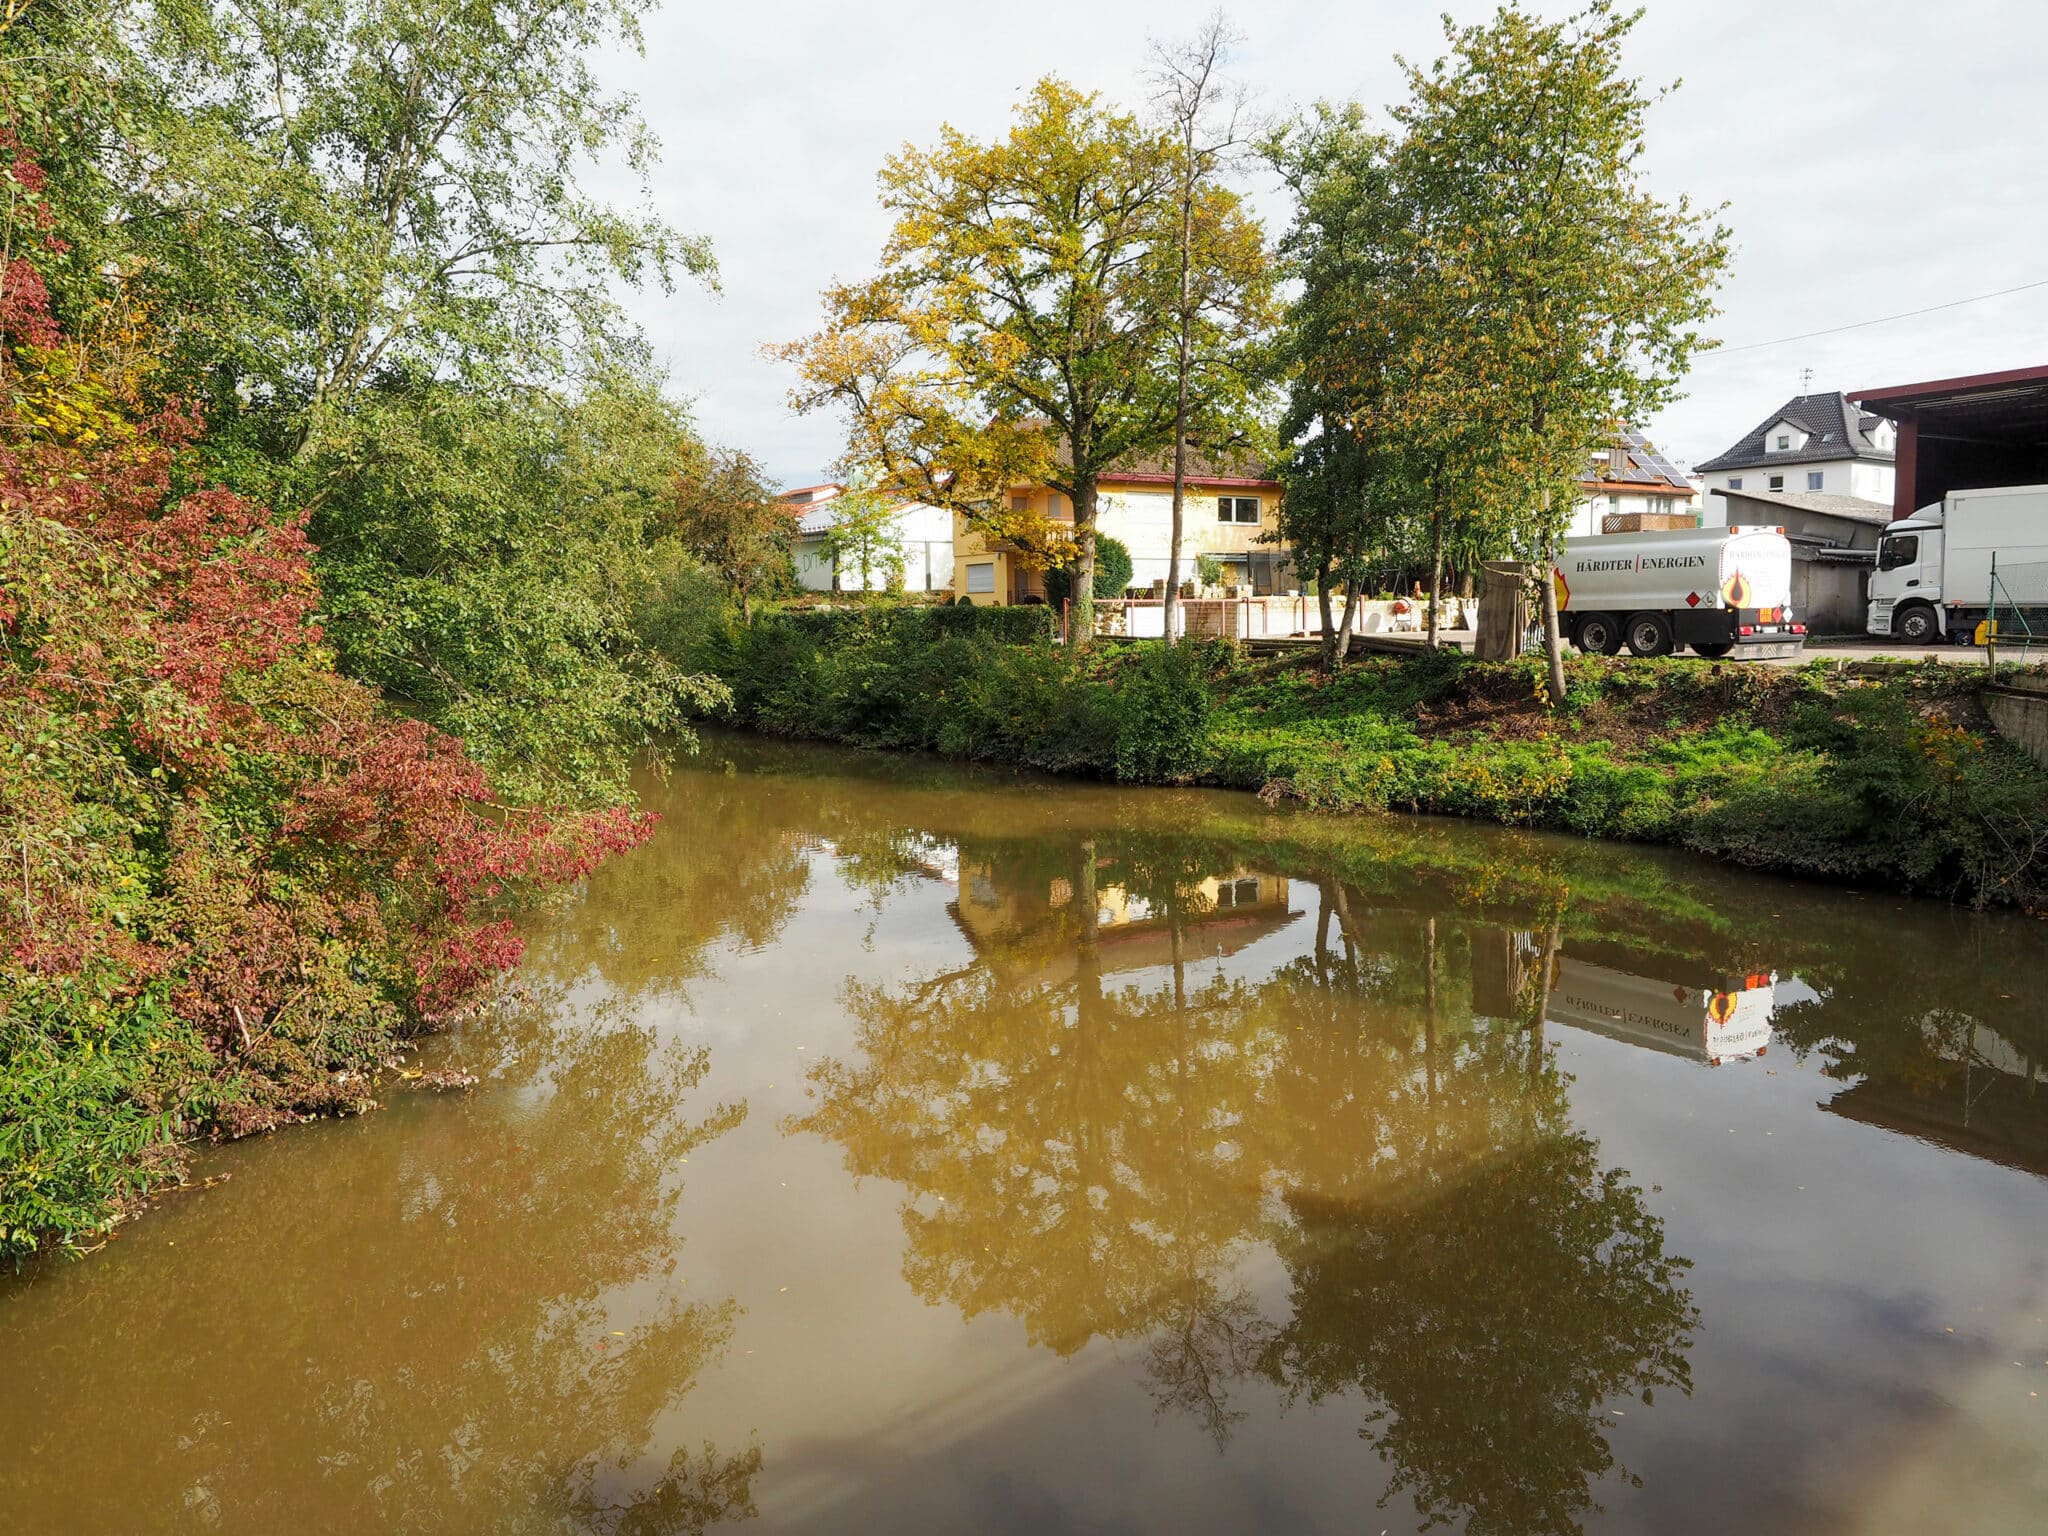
1902, 549
1814, 479
1237, 509
1020, 503
982, 577
1777, 482
1784, 440
1735, 482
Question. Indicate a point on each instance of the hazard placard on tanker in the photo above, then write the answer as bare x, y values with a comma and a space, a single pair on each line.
1714, 1023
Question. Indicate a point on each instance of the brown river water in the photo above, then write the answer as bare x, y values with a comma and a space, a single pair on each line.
897, 1147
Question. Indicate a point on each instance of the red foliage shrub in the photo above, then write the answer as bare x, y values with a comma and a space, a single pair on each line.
236, 875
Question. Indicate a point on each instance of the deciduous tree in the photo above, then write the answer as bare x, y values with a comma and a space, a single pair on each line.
1023, 325
1565, 297
1222, 301
865, 536
728, 516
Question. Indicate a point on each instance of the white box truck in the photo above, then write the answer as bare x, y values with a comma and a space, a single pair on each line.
1722, 591
1934, 568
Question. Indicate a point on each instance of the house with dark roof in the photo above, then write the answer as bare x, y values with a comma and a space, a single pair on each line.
1812, 444
1631, 477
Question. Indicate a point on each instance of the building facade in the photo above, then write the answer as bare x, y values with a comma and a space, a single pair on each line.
925, 534
1632, 479
1228, 516
1811, 445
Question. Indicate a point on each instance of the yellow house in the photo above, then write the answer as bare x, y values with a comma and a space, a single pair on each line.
1223, 514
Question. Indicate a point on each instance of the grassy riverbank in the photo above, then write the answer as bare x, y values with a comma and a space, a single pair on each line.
1894, 781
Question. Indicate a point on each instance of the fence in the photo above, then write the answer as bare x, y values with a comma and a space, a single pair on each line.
1255, 618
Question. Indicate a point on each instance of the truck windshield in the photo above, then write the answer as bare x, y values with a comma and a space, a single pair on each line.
1900, 549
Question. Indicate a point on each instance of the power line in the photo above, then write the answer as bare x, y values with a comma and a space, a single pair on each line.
1857, 325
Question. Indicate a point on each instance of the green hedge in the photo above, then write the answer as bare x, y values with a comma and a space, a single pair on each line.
1888, 784
967, 689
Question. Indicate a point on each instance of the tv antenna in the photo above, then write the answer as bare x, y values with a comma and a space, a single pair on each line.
1806, 381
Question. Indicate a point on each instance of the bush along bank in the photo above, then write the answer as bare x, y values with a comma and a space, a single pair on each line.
1896, 781
235, 881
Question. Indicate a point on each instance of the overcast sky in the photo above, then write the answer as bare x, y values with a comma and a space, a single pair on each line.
1876, 157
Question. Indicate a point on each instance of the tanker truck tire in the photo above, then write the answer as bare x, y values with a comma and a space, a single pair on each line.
1649, 634
1598, 634
1915, 624
1715, 650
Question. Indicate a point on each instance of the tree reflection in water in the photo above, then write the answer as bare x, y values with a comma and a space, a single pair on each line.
1095, 1125
487, 1319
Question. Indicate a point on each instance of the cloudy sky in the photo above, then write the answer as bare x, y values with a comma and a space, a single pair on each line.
1876, 157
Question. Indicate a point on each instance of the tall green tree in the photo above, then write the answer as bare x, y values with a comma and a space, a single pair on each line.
1337, 346
342, 191
1563, 295
1024, 322
363, 233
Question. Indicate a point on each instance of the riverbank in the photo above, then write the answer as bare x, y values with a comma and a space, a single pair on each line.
1889, 778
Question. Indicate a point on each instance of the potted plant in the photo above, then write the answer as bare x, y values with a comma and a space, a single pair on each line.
1208, 571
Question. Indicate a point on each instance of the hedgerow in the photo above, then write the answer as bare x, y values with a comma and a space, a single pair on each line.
1894, 779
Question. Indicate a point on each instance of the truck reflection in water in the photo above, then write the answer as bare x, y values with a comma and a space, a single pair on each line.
1685, 1008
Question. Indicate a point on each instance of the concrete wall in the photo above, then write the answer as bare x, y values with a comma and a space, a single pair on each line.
2021, 715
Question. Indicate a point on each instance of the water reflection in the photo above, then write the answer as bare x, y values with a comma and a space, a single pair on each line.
1092, 1125
495, 1353
1279, 1165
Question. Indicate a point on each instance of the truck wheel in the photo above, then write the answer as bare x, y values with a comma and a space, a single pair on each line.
1915, 624
1649, 634
1599, 634
1714, 650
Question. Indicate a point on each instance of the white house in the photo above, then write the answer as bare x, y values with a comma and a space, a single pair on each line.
1812, 444
926, 535
1631, 476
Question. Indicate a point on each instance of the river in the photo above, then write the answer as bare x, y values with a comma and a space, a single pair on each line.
890, 1146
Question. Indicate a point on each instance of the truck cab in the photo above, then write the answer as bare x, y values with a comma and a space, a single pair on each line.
1905, 589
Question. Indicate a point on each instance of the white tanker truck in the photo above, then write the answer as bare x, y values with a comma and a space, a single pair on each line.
1722, 591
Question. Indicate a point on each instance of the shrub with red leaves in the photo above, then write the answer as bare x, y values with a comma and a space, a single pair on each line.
231, 880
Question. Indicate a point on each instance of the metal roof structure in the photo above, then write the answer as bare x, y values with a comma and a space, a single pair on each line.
1964, 433
1852, 508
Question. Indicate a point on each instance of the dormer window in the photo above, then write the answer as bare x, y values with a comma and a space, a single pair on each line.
1784, 441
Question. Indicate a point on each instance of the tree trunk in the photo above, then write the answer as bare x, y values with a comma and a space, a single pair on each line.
1553, 641
1350, 618
1084, 564
1329, 619
1180, 403
1436, 573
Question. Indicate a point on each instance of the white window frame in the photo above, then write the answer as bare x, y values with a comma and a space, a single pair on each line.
1816, 479
1776, 483
1230, 509
981, 576
1735, 482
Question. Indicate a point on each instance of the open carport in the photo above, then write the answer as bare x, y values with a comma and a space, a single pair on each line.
1965, 433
